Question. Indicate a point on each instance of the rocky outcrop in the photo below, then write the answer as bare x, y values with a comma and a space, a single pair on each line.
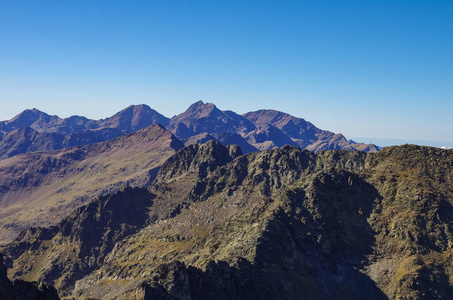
198, 158
23, 290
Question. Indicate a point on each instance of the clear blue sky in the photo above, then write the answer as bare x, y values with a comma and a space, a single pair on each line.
363, 68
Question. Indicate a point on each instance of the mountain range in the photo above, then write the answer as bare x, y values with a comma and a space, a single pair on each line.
214, 205
33, 130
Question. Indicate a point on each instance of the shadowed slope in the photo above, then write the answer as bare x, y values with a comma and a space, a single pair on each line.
27, 140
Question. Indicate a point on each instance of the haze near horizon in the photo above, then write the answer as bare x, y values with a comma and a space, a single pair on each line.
378, 69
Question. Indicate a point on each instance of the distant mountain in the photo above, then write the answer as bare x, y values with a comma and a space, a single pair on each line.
224, 138
201, 117
133, 118
275, 128
39, 188
130, 119
33, 118
266, 137
262, 130
259, 130
33, 130
227, 138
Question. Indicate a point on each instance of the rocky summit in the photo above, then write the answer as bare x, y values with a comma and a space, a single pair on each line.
283, 223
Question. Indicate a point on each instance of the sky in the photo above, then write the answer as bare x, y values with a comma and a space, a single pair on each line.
367, 69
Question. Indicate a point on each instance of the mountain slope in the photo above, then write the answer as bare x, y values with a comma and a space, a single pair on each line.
90, 233
42, 187
283, 223
26, 140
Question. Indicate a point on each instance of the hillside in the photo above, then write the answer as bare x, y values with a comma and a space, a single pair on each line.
25, 140
39, 188
276, 224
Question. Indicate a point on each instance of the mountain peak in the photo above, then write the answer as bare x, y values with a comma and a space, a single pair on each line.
199, 117
200, 109
135, 117
270, 116
27, 116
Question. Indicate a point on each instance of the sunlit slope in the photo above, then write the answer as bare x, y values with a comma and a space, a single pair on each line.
40, 188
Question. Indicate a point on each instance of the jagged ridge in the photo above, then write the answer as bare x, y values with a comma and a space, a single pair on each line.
284, 223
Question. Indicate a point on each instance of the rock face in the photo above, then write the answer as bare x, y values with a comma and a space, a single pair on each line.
134, 117
276, 224
23, 290
199, 159
84, 238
